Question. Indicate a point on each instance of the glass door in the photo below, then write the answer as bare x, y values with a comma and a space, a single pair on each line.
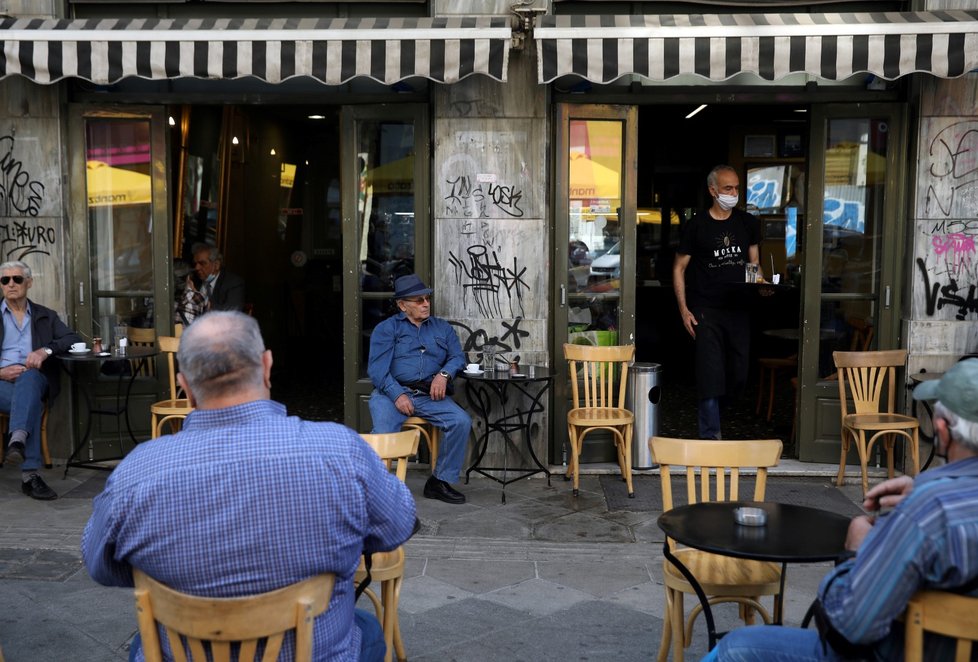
385, 162
595, 252
120, 235
854, 244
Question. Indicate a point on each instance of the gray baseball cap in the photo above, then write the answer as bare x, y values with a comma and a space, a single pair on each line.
957, 389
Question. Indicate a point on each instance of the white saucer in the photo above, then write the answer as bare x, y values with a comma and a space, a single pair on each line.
79, 351
473, 372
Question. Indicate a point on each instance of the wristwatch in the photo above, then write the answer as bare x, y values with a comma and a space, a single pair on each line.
445, 375
48, 351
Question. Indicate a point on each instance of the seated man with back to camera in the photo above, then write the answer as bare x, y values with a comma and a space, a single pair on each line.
29, 335
245, 499
414, 357
929, 541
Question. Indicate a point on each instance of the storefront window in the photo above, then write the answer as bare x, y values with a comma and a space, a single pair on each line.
119, 194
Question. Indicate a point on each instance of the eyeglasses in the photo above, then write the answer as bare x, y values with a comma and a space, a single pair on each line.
17, 279
421, 299
200, 263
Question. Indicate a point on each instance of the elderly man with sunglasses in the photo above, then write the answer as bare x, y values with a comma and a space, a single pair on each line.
29, 335
414, 357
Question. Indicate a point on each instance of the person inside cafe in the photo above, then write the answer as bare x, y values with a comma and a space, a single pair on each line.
246, 499
211, 287
29, 336
714, 248
414, 358
928, 541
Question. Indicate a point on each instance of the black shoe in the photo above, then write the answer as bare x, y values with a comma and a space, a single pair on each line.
15, 453
36, 488
439, 489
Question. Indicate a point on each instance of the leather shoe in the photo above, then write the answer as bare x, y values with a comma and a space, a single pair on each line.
15, 453
36, 488
439, 489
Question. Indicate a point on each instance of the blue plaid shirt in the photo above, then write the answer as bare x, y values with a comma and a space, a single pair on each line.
246, 500
930, 540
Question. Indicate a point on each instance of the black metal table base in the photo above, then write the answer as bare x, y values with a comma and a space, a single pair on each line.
121, 409
478, 393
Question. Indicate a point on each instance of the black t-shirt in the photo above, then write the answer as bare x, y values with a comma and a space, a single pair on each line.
718, 251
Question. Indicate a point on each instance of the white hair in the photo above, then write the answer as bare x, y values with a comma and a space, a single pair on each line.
962, 430
17, 264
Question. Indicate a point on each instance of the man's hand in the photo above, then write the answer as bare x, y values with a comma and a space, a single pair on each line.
689, 321
438, 386
405, 404
36, 358
888, 493
859, 527
11, 372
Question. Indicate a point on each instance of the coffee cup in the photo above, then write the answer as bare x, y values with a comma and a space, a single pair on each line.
78, 347
472, 367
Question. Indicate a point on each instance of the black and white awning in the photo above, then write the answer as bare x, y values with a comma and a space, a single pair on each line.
830, 46
333, 51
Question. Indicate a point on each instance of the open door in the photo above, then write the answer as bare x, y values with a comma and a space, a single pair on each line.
594, 256
852, 242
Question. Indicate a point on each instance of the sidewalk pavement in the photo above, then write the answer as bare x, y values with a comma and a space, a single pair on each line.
544, 576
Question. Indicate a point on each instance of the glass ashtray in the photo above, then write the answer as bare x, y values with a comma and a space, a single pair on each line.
749, 516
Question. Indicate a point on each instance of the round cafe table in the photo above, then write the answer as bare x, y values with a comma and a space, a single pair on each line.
792, 534
70, 361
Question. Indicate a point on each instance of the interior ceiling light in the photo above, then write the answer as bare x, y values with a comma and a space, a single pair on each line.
172, 121
317, 117
272, 152
696, 111
234, 140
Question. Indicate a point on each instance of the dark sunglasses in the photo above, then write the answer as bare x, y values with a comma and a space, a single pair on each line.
4, 280
421, 299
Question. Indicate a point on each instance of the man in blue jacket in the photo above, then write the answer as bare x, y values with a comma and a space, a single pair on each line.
29, 335
413, 359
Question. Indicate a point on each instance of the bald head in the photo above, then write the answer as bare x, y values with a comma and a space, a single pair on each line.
222, 358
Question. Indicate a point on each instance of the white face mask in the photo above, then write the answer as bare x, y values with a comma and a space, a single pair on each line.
727, 202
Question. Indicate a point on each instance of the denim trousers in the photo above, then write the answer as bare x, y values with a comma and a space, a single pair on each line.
23, 399
771, 643
372, 646
445, 415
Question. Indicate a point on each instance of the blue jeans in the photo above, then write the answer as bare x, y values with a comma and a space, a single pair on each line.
23, 399
771, 643
372, 646
709, 418
445, 415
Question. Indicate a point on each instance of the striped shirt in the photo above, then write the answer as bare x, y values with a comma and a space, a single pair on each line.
246, 500
930, 540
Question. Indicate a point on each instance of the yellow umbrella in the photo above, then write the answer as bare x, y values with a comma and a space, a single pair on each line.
589, 179
108, 185
394, 177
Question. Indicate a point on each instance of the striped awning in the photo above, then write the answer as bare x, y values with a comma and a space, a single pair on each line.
772, 46
333, 51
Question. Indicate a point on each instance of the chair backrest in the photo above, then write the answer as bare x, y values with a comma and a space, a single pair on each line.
169, 346
140, 337
947, 614
866, 374
721, 460
395, 447
191, 621
862, 334
603, 374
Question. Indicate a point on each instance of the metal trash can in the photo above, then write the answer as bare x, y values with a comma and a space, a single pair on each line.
642, 399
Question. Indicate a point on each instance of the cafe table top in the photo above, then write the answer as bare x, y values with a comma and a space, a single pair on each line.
792, 534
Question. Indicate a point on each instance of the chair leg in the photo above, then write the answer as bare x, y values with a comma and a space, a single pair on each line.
627, 444
45, 452
678, 618
842, 458
390, 612
572, 471
433, 447
863, 459
666, 627
398, 642
915, 452
888, 445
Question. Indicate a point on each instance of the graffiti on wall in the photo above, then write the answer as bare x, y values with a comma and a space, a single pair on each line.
481, 275
947, 267
475, 341
949, 170
466, 198
20, 193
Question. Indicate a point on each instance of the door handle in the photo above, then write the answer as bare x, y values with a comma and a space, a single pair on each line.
563, 294
81, 293
886, 297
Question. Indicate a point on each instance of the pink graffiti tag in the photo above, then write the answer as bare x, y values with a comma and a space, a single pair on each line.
961, 248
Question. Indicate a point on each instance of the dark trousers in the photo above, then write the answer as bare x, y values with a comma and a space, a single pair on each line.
722, 362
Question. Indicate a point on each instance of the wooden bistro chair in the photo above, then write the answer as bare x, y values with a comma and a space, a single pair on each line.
388, 567
4, 429
140, 337
431, 434
943, 613
191, 621
866, 374
598, 403
723, 578
170, 412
